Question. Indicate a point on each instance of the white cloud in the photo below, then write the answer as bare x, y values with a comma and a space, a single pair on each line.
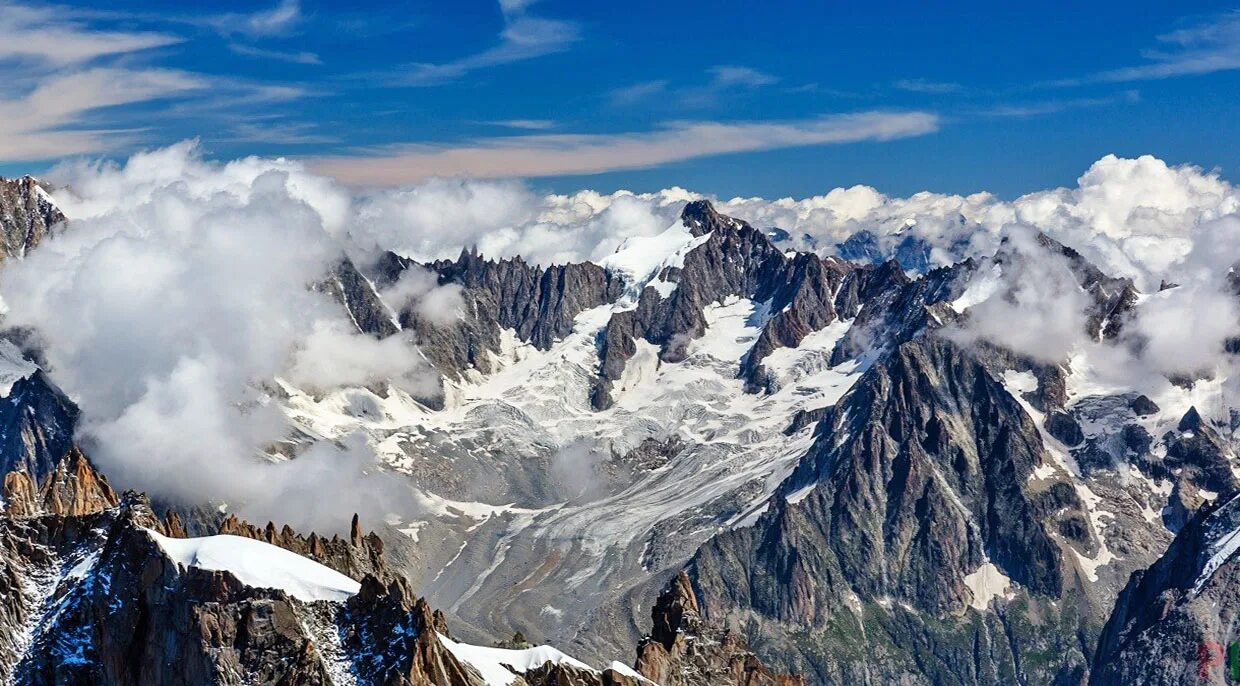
53, 36
927, 86
550, 155
41, 123
525, 124
293, 57
726, 76
276, 21
1209, 46
182, 288
635, 93
420, 289
1036, 307
523, 37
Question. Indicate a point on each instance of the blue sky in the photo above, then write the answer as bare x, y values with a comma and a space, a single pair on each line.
728, 98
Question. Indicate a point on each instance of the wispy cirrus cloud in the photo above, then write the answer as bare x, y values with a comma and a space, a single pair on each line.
279, 20
1210, 45
293, 57
1043, 107
524, 124
720, 79
523, 37
928, 87
635, 93
47, 121
75, 84
727, 76
56, 37
563, 154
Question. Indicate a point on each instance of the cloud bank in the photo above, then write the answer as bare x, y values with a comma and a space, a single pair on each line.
181, 288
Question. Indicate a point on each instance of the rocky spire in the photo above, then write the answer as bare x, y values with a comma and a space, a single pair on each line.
683, 650
73, 489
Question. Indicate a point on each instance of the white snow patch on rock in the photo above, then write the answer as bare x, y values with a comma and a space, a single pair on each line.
987, 583
13, 367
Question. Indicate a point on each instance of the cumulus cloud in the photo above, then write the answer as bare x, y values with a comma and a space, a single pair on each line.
182, 287
420, 289
1035, 305
438, 218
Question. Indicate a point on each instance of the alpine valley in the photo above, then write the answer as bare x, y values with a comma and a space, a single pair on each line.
724, 454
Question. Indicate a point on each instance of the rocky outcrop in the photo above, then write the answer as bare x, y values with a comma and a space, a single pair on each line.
360, 300
395, 638
135, 616
1174, 622
27, 216
682, 650
72, 489
358, 556
538, 303
1198, 462
895, 310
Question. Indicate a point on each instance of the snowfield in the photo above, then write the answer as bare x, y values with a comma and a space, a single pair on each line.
260, 565
502, 666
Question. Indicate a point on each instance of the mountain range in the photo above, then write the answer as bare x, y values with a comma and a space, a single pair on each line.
707, 459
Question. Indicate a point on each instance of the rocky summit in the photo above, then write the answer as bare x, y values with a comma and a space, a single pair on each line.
707, 459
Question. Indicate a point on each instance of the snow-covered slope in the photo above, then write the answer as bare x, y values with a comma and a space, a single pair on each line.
260, 564
502, 666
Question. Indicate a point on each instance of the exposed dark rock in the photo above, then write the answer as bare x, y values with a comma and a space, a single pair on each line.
681, 650
36, 426
27, 216
1143, 406
1063, 427
538, 303
360, 300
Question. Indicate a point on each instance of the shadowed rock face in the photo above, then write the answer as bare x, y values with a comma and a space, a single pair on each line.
36, 426
1173, 621
360, 299
27, 216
